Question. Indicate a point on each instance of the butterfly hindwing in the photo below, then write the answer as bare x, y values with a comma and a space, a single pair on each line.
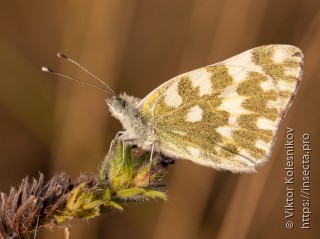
226, 115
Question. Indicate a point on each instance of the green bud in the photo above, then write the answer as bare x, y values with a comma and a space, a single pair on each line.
121, 169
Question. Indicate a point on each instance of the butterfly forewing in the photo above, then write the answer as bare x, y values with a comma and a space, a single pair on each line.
226, 115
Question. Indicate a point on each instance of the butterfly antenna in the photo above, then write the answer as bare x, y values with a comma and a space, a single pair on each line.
46, 69
63, 56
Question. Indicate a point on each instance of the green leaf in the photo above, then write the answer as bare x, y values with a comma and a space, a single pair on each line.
74, 194
106, 195
114, 204
130, 192
155, 194
92, 205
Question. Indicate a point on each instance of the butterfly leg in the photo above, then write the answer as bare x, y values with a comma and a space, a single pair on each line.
123, 152
150, 163
151, 154
124, 145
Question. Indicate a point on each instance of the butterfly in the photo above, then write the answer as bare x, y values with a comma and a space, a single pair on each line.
225, 116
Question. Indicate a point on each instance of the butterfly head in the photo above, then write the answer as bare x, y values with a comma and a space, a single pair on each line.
117, 105
122, 104
125, 109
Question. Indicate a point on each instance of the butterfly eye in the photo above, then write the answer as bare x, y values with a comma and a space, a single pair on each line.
121, 102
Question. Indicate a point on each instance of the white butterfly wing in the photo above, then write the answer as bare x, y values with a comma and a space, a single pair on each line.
226, 115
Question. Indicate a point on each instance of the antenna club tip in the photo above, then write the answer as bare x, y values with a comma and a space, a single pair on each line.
46, 69
61, 55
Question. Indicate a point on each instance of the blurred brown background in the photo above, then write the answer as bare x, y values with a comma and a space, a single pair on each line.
49, 124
